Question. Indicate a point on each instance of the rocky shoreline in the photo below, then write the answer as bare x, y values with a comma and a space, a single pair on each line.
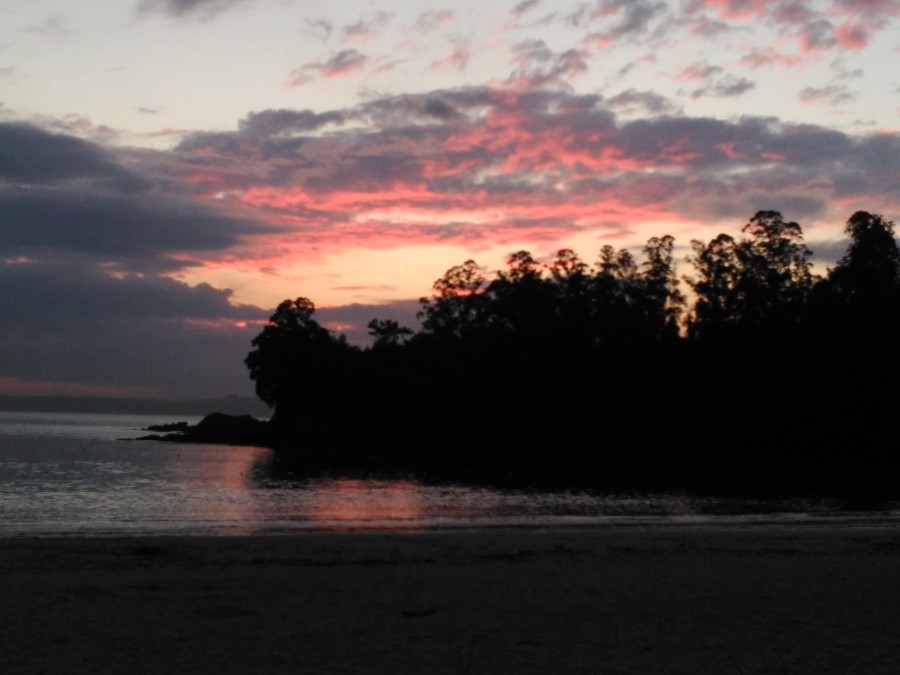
214, 428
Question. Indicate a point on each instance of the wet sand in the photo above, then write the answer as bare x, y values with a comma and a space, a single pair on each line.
610, 601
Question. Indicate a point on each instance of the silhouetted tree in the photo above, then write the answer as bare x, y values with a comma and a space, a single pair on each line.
871, 268
295, 362
572, 279
542, 355
753, 287
456, 306
388, 333
776, 278
858, 306
615, 313
663, 302
520, 304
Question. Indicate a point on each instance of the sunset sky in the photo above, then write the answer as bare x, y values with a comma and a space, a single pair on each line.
170, 170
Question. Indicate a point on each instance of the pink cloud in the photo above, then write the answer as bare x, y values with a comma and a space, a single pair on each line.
373, 287
428, 21
771, 56
736, 9
853, 35
343, 63
699, 72
458, 58
493, 164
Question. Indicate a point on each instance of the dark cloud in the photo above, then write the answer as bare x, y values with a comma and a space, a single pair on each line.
827, 252
278, 122
138, 231
351, 319
187, 8
76, 294
33, 156
84, 247
77, 325
64, 196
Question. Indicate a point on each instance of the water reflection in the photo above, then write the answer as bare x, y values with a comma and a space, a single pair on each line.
213, 486
65, 476
348, 504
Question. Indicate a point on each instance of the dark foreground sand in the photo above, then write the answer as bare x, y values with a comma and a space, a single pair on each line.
607, 601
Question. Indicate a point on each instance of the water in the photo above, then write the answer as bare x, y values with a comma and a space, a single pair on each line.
70, 475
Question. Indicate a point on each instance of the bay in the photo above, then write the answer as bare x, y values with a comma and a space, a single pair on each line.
73, 475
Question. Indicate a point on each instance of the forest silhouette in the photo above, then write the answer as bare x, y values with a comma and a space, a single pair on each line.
770, 379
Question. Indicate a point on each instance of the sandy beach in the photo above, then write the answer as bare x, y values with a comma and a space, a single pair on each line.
582, 601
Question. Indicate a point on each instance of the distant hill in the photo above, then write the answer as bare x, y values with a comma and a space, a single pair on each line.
231, 405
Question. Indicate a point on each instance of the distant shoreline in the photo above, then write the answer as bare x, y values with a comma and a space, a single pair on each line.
232, 405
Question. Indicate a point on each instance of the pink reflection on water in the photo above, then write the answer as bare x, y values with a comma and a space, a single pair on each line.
349, 504
217, 487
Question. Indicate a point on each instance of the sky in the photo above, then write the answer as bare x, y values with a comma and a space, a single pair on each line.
171, 170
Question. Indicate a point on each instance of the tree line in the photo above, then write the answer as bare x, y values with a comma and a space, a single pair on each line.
769, 376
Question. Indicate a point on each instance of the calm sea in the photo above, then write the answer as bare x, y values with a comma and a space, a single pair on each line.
72, 475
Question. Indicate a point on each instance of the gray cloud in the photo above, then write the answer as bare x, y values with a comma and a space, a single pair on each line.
716, 82
428, 21
817, 34
396, 141
646, 101
141, 332
86, 242
277, 122
63, 196
320, 29
83, 249
141, 232
364, 30
524, 6
832, 94
187, 8
540, 66
725, 87
351, 319
33, 156
343, 63
632, 19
